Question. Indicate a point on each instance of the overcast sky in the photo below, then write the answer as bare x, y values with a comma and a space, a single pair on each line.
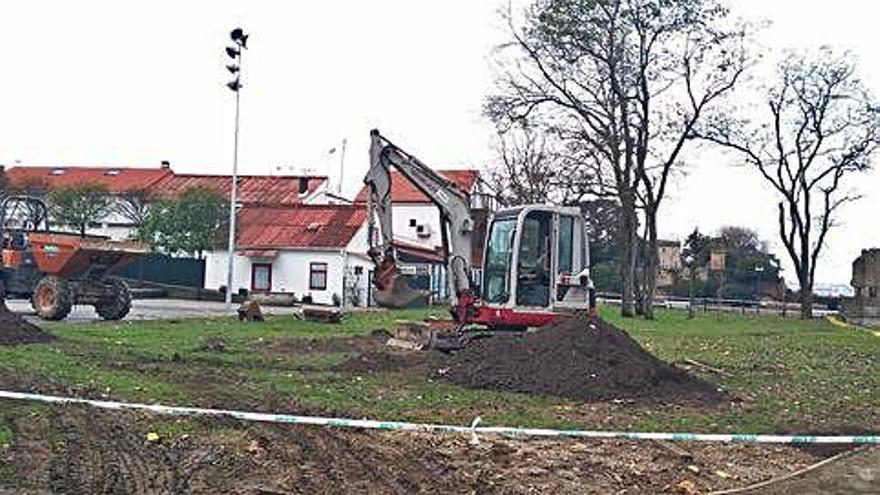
135, 83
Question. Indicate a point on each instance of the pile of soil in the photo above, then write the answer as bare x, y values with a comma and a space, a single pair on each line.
586, 360
15, 330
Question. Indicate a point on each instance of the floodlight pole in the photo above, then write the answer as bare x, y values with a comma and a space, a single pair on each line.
233, 195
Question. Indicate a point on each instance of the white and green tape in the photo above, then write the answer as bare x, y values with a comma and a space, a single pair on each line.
473, 430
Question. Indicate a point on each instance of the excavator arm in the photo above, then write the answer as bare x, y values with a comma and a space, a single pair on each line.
456, 224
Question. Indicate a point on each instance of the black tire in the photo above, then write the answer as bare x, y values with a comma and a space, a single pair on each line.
52, 298
116, 305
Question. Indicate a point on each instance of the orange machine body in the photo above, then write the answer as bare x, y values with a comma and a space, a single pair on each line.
71, 256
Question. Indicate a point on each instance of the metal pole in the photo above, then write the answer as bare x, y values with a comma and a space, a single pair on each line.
234, 191
341, 166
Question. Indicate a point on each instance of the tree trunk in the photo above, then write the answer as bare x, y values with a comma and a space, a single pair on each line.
806, 303
691, 278
652, 263
806, 293
628, 262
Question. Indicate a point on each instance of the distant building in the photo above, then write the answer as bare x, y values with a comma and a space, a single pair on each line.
717, 259
669, 253
317, 251
864, 307
158, 183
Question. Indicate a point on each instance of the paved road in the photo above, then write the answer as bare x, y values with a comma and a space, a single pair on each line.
153, 309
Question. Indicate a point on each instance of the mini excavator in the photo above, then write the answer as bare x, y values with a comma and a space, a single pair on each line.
535, 266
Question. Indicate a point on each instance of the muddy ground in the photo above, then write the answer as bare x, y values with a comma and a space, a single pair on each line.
78, 450
72, 449
15, 330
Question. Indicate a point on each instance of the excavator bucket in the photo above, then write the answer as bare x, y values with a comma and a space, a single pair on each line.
399, 294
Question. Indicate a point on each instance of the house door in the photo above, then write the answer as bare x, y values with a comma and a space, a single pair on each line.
261, 277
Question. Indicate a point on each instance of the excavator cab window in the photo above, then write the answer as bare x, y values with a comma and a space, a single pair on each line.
566, 245
535, 260
496, 276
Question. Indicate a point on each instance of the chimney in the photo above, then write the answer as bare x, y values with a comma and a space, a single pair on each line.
303, 185
166, 164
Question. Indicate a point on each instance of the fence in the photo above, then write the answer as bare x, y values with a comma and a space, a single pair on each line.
164, 269
742, 306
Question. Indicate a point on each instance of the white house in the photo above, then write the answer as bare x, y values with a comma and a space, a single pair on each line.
310, 251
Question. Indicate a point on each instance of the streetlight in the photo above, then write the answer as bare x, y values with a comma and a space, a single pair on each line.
689, 264
239, 38
759, 269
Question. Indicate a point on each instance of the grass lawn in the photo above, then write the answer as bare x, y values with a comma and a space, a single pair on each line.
791, 375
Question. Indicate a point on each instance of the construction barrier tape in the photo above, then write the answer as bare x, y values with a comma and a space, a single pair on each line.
837, 322
471, 430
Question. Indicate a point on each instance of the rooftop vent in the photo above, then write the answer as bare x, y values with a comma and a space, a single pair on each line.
57, 171
303, 185
313, 227
113, 172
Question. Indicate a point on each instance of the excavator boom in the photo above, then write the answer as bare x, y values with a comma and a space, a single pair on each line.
392, 290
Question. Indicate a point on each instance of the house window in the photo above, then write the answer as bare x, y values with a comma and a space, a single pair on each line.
318, 276
412, 222
872, 292
261, 277
358, 270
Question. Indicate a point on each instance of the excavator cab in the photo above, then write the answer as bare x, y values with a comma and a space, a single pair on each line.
536, 262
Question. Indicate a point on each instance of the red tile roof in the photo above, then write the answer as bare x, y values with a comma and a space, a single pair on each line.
117, 179
303, 226
164, 183
252, 189
402, 191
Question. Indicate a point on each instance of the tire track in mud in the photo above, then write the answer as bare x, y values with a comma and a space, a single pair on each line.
77, 450
88, 463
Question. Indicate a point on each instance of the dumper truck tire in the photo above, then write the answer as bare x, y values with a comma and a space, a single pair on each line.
52, 298
117, 304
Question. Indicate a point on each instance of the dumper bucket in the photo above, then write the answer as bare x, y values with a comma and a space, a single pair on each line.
399, 294
71, 256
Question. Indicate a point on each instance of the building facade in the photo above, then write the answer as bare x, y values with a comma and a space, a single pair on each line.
669, 254
316, 253
864, 307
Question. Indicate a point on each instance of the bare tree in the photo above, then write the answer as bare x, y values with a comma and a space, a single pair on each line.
534, 168
820, 126
624, 81
133, 205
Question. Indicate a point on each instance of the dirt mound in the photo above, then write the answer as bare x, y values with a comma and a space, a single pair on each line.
16, 330
577, 359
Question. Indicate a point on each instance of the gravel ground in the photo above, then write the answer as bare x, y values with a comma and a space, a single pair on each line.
152, 309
